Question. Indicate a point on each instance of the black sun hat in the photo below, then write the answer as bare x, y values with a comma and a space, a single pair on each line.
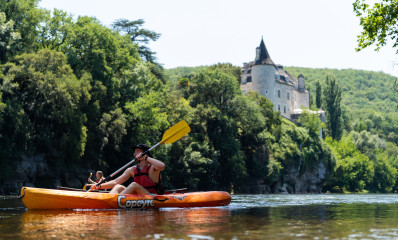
143, 147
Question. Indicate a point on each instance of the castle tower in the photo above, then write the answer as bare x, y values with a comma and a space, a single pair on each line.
263, 71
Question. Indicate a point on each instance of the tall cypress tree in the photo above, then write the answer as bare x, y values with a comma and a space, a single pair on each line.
332, 100
318, 95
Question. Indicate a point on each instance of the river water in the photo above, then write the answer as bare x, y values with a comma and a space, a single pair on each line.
326, 216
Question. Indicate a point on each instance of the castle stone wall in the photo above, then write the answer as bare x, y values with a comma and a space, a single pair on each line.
246, 87
282, 103
302, 99
263, 77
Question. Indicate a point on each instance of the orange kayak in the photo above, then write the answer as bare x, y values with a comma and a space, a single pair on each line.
40, 198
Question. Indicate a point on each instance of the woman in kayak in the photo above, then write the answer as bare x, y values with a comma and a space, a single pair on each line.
146, 174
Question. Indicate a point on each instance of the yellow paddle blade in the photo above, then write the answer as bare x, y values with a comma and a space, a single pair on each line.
176, 132
85, 186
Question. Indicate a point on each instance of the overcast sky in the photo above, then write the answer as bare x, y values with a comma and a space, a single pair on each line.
306, 33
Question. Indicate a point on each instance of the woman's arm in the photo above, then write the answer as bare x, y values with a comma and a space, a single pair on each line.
158, 165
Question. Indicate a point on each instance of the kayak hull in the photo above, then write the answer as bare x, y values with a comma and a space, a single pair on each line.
40, 198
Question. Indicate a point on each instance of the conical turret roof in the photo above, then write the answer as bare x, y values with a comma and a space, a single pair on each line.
263, 57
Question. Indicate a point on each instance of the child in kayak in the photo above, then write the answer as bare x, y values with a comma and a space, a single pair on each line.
99, 175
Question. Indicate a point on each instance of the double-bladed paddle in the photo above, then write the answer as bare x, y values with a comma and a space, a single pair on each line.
173, 134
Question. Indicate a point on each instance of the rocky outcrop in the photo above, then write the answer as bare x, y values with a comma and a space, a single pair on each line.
311, 181
32, 170
28, 169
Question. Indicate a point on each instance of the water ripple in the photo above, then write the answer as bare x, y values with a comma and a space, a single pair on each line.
278, 200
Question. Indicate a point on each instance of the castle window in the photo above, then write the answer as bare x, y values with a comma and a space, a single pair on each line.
279, 107
279, 93
249, 71
288, 96
284, 109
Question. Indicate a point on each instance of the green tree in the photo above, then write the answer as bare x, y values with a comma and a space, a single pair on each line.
214, 87
318, 95
384, 178
183, 83
379, 23
27, 18
396, 87
8, 38
345, 115
272, 118
96, 49
367, 143
141, 36
332, 100
360, 126
229, 69
55, 30
353, 172
138, 35
148, 117
44, 100
312, 122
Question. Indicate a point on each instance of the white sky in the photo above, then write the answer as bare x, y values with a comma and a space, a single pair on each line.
306, 33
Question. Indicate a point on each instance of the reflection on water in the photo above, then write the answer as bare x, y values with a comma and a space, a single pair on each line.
248, 217
319, 221
120, 224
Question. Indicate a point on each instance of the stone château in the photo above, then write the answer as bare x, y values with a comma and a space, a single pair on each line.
287, 93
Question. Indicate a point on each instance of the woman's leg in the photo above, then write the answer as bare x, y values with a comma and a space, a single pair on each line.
135, 188
117, 189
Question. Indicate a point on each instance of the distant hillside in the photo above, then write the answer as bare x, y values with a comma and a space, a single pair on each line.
175, 74
363, 91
